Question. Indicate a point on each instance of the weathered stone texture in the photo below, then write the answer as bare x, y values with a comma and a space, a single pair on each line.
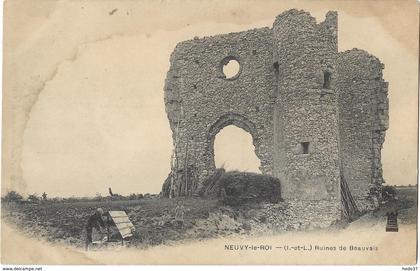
363, 114
197, 86
312, 112
306, 111
311, 214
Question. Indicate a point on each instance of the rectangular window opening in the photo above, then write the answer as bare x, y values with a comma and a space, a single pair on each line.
327, 80
305, 147
276, 78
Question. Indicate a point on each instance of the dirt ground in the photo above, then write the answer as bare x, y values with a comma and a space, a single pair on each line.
63, 223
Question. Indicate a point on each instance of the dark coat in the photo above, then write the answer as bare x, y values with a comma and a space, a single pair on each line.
96, 221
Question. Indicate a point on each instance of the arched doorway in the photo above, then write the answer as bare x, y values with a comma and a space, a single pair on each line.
234, 151
240, 122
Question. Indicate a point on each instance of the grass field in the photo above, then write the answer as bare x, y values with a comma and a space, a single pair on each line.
153, 218
64, 222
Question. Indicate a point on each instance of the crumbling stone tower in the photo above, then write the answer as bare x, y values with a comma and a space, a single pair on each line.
317, 116
306, 134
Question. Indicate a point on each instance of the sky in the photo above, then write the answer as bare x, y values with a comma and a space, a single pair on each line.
86, 87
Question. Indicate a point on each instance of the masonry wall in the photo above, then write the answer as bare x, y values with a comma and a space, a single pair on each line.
312, 112
363, 107
209, 101
305, 110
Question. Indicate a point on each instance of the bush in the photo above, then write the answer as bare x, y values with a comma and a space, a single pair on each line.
388, 193
12, 196
33, 198
135, 196
56, 200
98, 197
71, 199
116, 197
235, 188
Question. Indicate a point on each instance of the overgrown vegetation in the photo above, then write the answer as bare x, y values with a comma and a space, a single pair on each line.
388, 193
63, 220
402, 200
236, 188
12, 196
15, 197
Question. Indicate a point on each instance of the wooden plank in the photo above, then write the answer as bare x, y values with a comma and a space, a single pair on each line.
121, 219
126, 226
117, 213
122, 222
126, 233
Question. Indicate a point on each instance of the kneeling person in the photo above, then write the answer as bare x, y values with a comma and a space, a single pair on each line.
94, 221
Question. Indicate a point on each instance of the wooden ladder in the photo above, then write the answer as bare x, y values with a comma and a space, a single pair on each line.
349, 209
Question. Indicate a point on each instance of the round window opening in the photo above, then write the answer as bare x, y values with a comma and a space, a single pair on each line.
230, 68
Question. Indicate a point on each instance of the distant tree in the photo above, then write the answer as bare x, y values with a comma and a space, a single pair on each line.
56, 199
33, 198
12, 196
72, 199
132, 196
98, 197
44, 196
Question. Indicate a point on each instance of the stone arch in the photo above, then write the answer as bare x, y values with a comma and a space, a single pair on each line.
226, 120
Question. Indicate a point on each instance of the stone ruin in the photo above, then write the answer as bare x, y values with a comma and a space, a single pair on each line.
317, 116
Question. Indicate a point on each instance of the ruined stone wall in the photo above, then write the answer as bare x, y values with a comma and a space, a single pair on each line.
312, 112
310, 214
306, 110
210, 101
363, 107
